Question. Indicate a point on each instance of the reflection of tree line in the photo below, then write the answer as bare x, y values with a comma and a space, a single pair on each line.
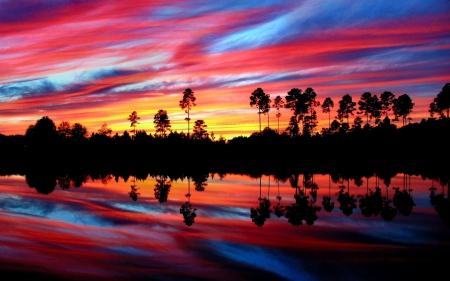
46, 183
303, 209
440, 203
375, 201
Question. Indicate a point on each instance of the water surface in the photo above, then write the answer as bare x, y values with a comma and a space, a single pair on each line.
111, 229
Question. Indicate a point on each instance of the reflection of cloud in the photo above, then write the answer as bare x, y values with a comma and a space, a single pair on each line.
273, 261
68, 212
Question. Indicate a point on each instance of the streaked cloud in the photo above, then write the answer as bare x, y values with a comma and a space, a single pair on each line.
96, 61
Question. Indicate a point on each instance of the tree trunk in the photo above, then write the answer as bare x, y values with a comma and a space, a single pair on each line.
189, 119
260, 184
329, 119
278, 121
259, 113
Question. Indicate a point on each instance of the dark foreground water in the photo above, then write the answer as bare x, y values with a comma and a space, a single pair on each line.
228, 231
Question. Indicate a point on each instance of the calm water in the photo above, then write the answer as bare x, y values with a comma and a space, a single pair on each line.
98, 230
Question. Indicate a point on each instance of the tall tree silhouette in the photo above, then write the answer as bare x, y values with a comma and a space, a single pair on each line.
298, 103
402, 107
293, 129
441, 102
278, 103
133, 118
326, 108
346, 108
78, 131
162, 123
262, 101
200, 131
186, 103
43, 130
64, 130
311, 120
105, 130
370, 106
387, 100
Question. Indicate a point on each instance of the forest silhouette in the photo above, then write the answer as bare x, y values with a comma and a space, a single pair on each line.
378, 145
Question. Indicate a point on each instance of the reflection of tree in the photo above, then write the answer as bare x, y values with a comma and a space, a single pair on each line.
262, 212
133, 193
388, 212
186, 209
43, 182
303, 208
440, 203
371, 203
200, 180
278, 209
66, 181
162, 188
346, 201
327, 204
402, 198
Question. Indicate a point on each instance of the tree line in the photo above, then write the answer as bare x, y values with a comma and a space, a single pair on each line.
304, 119
409, 148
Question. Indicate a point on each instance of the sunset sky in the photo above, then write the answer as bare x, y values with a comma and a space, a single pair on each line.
97, 61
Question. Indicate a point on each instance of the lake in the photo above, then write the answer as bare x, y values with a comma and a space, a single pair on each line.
227, 229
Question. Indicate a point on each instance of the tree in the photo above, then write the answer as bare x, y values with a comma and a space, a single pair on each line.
78, 131
311, 120
346, 108
402, 107
162, 123
43, 129
309, 123
187, 103
200, 130
370, 106
278, 103
104, 130
293, 128
64, 130
441, 102
364, 105
262, 101
326, 108
133, 118
387, 100
298, 103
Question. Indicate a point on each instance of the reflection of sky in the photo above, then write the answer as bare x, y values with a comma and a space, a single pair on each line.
108, 234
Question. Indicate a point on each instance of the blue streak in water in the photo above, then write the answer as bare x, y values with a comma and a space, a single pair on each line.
258, 257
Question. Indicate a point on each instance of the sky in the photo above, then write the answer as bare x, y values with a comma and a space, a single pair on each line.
97, 61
